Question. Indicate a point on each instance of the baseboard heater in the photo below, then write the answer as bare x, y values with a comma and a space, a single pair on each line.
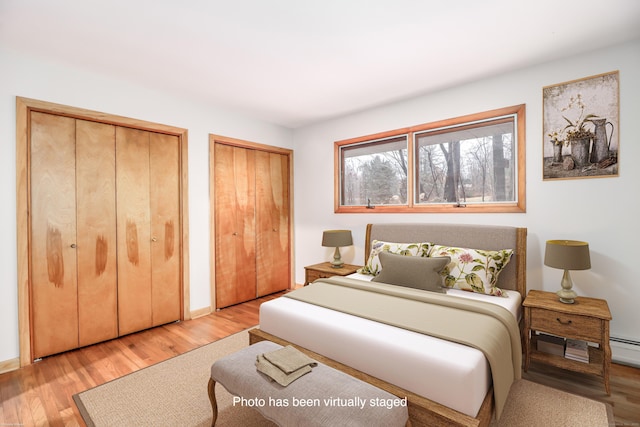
625, 351
625, 341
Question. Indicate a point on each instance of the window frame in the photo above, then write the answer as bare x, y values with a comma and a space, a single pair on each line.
518, 206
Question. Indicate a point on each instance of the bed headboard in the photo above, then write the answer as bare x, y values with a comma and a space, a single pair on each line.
489, 237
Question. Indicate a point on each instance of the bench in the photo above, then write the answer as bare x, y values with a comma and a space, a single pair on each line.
323, 397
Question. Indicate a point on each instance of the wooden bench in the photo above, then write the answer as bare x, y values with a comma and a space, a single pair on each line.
325, 396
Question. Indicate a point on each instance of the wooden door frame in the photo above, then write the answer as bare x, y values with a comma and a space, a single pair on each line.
24, 107
213, 139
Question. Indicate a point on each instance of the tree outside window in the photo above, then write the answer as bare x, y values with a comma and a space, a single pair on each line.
375, 173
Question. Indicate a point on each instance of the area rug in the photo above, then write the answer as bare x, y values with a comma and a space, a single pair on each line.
533, 405
170, 393
174, 393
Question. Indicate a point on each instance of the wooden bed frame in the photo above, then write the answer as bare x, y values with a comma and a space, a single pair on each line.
423, 411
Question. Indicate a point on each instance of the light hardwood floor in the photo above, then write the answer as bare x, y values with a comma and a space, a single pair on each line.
41, 394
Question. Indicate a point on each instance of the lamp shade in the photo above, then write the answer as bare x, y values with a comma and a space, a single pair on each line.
337, 238
567, 255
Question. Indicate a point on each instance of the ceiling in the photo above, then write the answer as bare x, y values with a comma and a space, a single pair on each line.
297, 62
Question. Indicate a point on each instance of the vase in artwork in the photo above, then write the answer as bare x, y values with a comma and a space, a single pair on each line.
601, 141
557, 153
580, 151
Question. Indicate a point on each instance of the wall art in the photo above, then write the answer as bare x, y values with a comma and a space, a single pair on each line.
580, 128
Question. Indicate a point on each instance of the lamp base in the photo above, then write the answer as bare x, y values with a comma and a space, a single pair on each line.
337, 259
566, 294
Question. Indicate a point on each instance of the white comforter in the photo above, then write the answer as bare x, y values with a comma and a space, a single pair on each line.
445, 372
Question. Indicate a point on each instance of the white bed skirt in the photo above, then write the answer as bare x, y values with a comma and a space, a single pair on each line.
451, 374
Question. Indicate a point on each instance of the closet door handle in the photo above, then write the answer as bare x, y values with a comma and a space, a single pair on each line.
73, 245
153, 239
235, 233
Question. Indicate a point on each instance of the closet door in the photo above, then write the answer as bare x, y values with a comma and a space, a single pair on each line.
134, 230
53, 287
96, 225
100, 226
235, 259
164, 169
272, 222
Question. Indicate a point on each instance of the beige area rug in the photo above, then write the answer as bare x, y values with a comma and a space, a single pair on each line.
532, 405
170, 393
174, 393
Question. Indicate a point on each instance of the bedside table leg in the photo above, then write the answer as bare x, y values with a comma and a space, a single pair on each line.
527, 340
607, 367
606, 363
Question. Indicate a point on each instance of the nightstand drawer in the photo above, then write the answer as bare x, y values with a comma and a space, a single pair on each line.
566, 325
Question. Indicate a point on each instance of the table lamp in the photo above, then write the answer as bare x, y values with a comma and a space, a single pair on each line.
336, 239
567, 255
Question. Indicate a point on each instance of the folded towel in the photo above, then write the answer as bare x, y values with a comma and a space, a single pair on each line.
289, 359
284, 365
276, 374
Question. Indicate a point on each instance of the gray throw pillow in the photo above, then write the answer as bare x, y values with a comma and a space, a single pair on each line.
412, 271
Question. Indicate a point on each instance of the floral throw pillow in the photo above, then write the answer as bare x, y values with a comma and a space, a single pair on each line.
373, 265
473, 270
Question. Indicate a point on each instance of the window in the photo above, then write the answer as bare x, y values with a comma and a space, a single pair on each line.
467, 164
375, 172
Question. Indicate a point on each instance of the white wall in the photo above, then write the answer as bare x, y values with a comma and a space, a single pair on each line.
48, 81
603, 211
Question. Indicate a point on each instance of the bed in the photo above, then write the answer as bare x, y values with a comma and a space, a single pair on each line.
446, 383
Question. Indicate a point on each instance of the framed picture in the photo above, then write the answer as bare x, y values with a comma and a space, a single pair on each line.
580, 128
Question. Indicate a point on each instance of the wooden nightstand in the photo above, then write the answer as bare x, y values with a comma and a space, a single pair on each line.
324, 269
587, 319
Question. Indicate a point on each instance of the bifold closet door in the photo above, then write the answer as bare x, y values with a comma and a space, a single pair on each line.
134, 230
96, 225
164, 177
235, 258
272, 222
54, 286
104, 231
73, 280
148, 180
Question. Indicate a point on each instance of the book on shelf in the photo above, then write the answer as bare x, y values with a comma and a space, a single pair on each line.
577, 350
551, 344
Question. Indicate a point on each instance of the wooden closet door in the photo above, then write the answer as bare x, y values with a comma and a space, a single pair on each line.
133, 230
96, 225
235, 259
164, 151
54, 292
272, 222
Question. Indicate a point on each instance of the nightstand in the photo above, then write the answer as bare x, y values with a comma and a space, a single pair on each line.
587, 319
324, 269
